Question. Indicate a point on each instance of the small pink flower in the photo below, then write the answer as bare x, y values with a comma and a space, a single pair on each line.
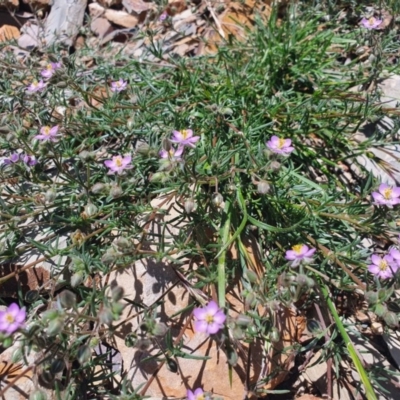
118, 164
172, 154
280, 146
387, 196
371, 23
210, 319
14, 158
12, 319
395, 254
184, 138
30, 161
36, 86
50, 69
197, 394
163, 16
48, 134
383, 267
299, 253
119, 85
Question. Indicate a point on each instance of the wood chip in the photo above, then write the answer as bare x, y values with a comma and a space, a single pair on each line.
136, 6
9, 32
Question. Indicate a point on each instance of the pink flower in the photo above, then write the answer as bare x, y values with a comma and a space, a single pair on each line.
48, 72
163, 16
198, 394
30, 161
280, 146
395, 254
119, 86
36, 86
384, 267
118, 164
172, 154
210, 319
299, 253
48, 134
371, 23
14, 158
184, 138
12, 319
387, 196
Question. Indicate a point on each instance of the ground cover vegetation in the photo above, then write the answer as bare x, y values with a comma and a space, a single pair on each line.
255, 143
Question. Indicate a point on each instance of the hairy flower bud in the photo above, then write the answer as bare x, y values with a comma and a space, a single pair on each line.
274, 335
159, 329
263, 187
84, 354
189, 205
67, 299
217, 199
50, 196
98, 188
90, 209
55, 327
106, 316
380, 309
123, 243
391, 319
251, 276
116, 191
77, 279
117, 293
38, 395
371, 297
243, 320
86, 156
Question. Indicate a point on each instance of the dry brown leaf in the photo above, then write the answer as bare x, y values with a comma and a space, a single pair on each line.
98, 96
309, 397
9, 32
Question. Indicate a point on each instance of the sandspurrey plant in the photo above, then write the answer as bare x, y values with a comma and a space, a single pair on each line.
255, 144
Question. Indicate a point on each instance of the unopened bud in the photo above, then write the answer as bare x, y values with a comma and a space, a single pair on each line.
77, 279
98, 188
189, 205
371, 297
38, 395
274, 335
380, 309
237, 333
117, 293
55, 327
116, 191
67, 299
123, 243
159, 329
159, 177
50, 196
85, 156
110, 256
49, 315
106, 316
143, 149
251, 276
250, 300
217, 199
275, 165
301, 279
391, 319
243, 320
263, 187
84, 354
143, 344
233, 358
16, 355
90, 209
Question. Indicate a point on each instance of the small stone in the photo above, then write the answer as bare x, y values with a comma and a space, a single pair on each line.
377, 328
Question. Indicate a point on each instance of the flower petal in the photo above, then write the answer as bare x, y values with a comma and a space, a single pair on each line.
200, 326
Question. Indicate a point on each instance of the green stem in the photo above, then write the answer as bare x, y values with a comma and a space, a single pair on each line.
224, 234
369, 390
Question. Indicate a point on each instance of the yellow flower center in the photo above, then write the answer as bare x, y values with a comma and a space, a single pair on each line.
371, 21
209, 319
118, 161
118, 84
383, 265
49, 67
281, 143
46, 130
185, 133
200, 397
387, 193
297, 249
10, 318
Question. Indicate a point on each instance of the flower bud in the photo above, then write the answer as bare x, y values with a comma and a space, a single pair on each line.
117, 293
106, 316
159, 177
86, 156
90, 209
50, 196
159, 329
130, 340
380, 309
250, 300
301, 279
123, 243
116, 191
217, 199
16, 355
49, 315
98, 188
110, 256
371, 297
143, 344
117, 309
57, 366
233, 358
143, 149
38, 395
274, 335
77, 279
189, 205
391, 319
67, 299
84, 354
275, 165
237, 333
55, 327
263, 187
243, 320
